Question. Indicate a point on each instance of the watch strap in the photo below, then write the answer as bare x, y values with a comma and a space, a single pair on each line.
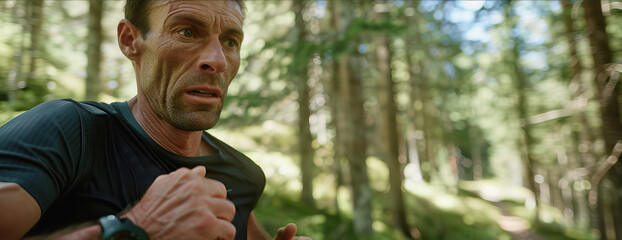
114, 228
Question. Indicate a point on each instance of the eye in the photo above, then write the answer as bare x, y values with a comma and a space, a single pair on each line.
231, 43
186, 33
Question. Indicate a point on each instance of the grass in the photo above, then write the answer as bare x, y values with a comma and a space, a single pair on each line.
435, 213
276, 210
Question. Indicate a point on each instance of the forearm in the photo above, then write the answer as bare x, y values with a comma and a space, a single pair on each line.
85, 231
258, 234
255, 230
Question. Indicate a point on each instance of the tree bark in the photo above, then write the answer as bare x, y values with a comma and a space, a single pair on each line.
361, 191
419, 95
390, 136
93, 51
304, 111
358, 152
525, 141
475, 136
350, 120
583, 154
338, 99
35, 19
16, 76
609, 95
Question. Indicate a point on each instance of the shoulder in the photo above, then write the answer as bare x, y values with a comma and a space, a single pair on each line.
53, 113
44, 149
63, 113
63, 119
67, 107
248, 166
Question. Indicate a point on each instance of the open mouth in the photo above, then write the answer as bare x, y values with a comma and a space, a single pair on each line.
203, 93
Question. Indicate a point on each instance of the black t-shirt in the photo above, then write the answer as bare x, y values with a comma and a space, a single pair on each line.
84, 160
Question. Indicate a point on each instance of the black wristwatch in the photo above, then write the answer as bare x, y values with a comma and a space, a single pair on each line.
114, 228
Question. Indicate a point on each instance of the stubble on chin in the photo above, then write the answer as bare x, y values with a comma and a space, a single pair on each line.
193, 120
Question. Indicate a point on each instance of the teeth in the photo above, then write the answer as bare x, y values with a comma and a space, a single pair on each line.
206, 92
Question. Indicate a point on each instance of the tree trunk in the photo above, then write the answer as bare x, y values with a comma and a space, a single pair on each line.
475, 136
358, 152
608, 94
416, 155
349, 118
584, 151
357, 157
93, 51
526, 140
304, 112
339, 98
35, 19
453, 152
390, 136
522, 86
419, 95
16, 76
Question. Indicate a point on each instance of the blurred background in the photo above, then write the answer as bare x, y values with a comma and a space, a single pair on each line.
389, 119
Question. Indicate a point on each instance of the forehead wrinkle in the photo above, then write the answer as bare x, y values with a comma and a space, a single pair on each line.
212, 9
214, 15
188, 18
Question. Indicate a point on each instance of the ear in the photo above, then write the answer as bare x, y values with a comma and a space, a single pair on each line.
130, 40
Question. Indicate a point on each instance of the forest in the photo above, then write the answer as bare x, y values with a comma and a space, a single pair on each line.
385, 119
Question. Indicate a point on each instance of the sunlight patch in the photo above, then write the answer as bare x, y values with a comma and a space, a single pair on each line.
445, 202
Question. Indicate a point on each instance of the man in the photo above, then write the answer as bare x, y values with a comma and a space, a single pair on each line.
145, 168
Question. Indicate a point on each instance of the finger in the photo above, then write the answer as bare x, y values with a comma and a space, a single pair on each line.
214, 188
226, 230
199, 170
286, 233
223, 209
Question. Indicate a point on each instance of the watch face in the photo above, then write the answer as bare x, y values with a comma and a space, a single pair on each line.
124, 235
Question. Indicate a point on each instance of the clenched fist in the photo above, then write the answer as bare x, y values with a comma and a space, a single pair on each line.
185, 204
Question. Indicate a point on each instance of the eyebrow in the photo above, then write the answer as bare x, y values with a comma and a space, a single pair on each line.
188, 18
229, 31
234, 32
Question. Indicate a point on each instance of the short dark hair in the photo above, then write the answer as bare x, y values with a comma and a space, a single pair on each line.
137, 12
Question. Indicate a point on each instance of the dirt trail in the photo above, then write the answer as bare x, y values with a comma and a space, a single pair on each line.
519, 228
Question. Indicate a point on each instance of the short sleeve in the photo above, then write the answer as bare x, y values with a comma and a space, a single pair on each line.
41, 148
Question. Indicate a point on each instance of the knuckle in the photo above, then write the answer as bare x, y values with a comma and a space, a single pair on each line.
230, 233
218, 187
206, 217
229, 211
189, 187
181, 171
160, 178
230, 206
215, 183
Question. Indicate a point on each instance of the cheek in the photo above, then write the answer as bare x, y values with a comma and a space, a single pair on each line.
156, 76
234, 63
170, 59
179, 60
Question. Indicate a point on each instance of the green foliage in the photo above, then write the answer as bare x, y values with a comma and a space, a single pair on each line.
470, 88
6, 113
439, 215
276, 210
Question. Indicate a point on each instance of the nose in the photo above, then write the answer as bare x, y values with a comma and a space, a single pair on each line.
212, 59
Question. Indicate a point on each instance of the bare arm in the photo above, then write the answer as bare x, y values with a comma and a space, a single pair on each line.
255, 230
87, 231
20, 211
183, 203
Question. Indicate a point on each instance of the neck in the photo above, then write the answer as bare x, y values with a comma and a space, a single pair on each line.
174, 140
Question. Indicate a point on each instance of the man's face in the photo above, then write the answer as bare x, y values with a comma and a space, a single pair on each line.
190, 56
